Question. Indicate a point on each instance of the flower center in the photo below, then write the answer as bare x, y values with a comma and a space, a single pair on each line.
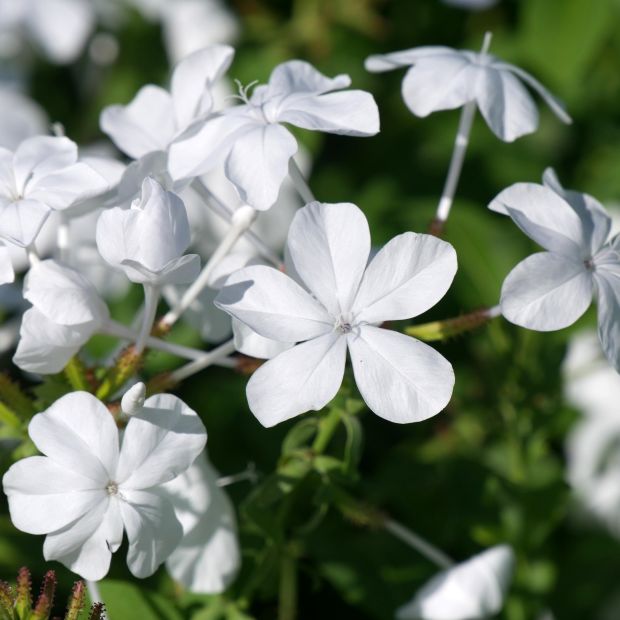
589, 263
343, 325
111, 488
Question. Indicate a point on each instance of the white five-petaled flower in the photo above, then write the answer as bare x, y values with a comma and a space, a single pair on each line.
337, 300
43, 174
92, 485
472, 590
252, 140
66, 311
442, 78
156, 117
551, 290
147, 241
208, 558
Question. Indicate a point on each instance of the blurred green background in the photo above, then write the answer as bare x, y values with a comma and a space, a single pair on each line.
491, 467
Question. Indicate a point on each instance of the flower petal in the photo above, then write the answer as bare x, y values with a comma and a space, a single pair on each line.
86, 546
192, 79
248, 342
546, 292
45, 496
39, 156
144, 125
329, 245
159, 443
378, 63
273, 305
400, 378
7, 273
409, 275
152, 529
299, 76
258, 164
78, 432
439, 83
300, 379
21, 221
62, 294
608, 300
505, 104
350, 113
208, 558
545, 217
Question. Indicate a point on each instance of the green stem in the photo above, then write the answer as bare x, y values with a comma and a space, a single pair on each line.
327, 427
442, 330
288, 587
75, 371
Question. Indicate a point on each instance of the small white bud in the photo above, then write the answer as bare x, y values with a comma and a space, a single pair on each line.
133, 399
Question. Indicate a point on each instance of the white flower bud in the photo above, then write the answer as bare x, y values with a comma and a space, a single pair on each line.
133, 399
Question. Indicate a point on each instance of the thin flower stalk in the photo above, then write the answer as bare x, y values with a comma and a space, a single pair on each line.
208, 359
300, 183
151, 298
241, 220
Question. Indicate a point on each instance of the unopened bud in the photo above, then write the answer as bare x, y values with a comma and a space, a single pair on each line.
133, 399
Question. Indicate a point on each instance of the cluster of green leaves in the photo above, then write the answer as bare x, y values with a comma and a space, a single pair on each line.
491, 467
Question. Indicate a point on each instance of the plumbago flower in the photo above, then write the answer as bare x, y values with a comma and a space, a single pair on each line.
252, 140
156, 117
551, 290
336, 301
147, 241
472, 590
92, 484
66, 311
442, 78
208, 558
43, 174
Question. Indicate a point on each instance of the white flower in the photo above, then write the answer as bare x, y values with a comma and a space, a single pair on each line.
20, 118
59, 27
551, 290
208, 558
442, 78
341, 303
66, 311
252, 139
472, 590
42, 175
147, 241
155, 117
87, 490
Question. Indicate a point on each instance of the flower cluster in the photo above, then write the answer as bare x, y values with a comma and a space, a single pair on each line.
198, 217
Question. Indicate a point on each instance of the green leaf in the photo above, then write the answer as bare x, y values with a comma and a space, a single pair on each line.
125, 601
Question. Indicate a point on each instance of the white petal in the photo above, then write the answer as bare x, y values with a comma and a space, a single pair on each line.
544, 217
144, 125
400, 378
378, 63
555, 104
301, 379
329, 245
181, 270
298, 76
199, 152
439, 83
273, 305
546, 292
159, 443
7, 273
409, 275
608, 301
351, 113
42, 155
507, 107
208, 558
62, 189
258, 164
152, 529
470, 590
78, 432
86, 546
192, 79
21, 221
62, 27
248, 342
45, 496
62, 294
46, 347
